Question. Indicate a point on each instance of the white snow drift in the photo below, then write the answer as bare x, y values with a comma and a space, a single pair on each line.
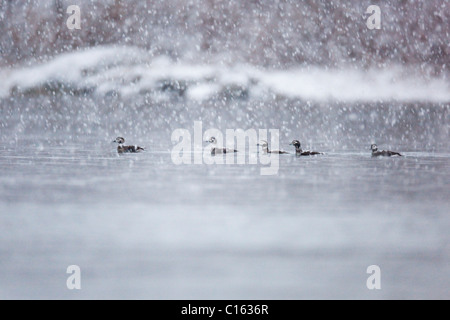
132, 71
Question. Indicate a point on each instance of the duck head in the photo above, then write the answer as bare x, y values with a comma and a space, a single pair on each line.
296, 144
264, 144
119, 140
212, 140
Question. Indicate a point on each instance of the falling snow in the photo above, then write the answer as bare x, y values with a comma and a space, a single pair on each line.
142, 227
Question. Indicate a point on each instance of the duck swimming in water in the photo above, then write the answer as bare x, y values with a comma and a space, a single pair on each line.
215, 150
265, 147
300, 152
382, 153
126, 149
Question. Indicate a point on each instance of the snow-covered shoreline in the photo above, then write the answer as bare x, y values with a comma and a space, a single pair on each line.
131, 71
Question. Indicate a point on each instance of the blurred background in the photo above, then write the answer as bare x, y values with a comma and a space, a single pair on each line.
141, 227
272, 34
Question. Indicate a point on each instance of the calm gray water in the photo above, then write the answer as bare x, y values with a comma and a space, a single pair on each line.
141, 227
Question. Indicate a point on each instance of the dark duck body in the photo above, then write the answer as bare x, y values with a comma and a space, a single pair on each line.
216, 150
382, 153
300, 152
265, 147
126, 149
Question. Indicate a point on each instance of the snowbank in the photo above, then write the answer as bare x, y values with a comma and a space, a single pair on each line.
132, 71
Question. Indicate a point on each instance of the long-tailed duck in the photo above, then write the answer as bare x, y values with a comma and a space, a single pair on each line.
300, 152
265, 147
382, 153
215, 150
126, 149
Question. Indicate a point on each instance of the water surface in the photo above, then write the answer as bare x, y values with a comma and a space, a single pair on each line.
141, 227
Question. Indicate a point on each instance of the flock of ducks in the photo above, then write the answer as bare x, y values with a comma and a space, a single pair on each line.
264, 145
